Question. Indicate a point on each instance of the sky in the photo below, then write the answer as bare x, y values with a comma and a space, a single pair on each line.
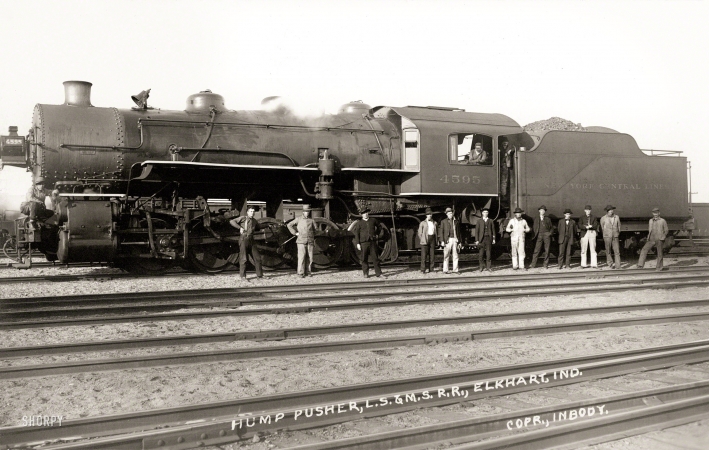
639, 67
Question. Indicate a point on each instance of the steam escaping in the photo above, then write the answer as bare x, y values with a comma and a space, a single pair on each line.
14, 183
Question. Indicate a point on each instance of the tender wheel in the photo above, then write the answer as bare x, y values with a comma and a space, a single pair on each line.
329, 246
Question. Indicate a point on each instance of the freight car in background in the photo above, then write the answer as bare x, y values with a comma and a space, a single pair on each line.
137, 187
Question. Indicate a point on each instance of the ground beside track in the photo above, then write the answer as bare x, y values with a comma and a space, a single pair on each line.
90, 394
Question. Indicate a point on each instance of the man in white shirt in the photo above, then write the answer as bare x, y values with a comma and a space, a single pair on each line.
517, 227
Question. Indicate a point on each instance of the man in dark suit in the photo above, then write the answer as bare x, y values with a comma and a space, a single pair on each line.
567, 237
367, 232
248, 225
484, 238
542, 233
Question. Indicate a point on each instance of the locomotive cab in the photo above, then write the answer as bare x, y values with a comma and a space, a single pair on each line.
439, 144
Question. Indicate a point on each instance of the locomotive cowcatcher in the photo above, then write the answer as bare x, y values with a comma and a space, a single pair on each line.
144, 188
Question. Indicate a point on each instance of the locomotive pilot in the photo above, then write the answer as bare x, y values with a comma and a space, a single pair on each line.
567, 236
543, 230
588, 226
450, 239
367, 232
657, 232
611, 235
304, 228
248, 226
484, 239
517, 227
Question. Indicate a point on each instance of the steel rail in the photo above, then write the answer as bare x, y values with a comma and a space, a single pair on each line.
218, 298
337, 286
502, 293
480, 428
289, 333
162, 360
227, 421
604, 428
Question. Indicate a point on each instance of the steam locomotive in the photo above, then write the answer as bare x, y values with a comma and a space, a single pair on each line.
144, 188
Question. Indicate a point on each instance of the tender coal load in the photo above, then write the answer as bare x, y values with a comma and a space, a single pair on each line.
554, 123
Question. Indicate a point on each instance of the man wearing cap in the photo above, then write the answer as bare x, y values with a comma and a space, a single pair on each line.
477, 155
304, 228
567, 237
517, 227
542, 233
588, 226
657, 232
367, 232
248, 226
611, 233
450, 238
506, 161
484, 238
428, 238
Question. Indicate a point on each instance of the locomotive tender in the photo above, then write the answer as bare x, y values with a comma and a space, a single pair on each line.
137, 187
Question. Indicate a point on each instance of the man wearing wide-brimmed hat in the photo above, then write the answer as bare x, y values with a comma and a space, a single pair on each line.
611, 235
517, 227
428, 238
542, 233
588, 226
657, 232
304, 228
567, 236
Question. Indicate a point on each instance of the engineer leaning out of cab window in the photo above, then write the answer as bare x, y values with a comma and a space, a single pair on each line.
477, 156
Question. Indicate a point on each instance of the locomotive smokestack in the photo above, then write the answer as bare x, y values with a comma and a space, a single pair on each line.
77, 93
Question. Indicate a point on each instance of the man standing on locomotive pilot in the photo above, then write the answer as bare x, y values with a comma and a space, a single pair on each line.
367, 232
304, 228
248, 226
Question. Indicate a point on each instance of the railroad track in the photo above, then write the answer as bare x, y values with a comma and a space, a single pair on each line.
227, 421
161, 360
409, 261
14, 309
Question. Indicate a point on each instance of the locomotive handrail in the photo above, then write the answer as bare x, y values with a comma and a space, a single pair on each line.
153, 122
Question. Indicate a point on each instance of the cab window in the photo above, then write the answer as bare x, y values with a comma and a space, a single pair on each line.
470, 148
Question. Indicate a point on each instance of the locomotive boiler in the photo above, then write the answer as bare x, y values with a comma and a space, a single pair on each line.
137, 187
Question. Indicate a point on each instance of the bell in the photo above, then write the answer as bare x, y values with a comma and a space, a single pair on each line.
141, 99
